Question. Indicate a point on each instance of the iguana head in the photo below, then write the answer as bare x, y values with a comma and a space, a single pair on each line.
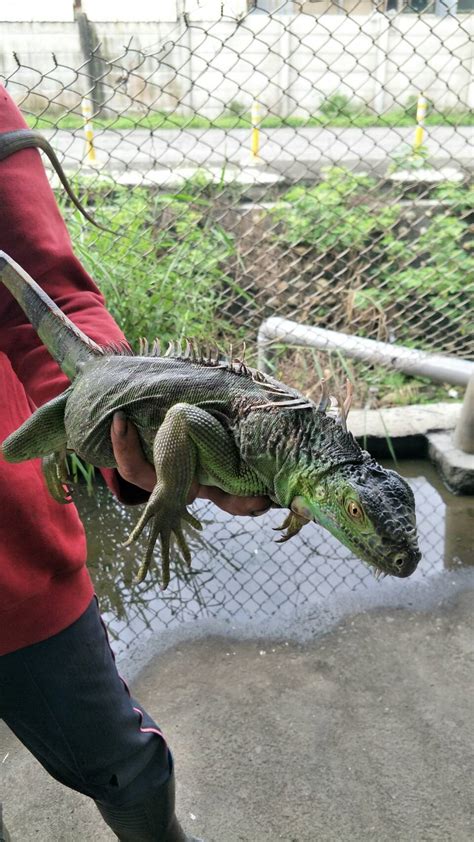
369, 509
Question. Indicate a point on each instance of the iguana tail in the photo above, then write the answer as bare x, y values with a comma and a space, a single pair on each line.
65, 342
15, 141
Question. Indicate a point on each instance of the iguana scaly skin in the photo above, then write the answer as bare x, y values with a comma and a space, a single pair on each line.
217, 420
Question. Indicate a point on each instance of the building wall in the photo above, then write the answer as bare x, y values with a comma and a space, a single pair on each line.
37, 10
131, 10
289, 63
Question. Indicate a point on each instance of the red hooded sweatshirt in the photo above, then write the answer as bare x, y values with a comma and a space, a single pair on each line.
44, 583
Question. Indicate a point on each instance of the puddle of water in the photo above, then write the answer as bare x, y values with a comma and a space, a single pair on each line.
241, 576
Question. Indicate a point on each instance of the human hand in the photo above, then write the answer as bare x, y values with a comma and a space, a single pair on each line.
135, 469
131, 463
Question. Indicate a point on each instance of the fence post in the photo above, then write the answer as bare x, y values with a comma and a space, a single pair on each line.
255, 137
88, 131
464, 433
90, 48
421, 107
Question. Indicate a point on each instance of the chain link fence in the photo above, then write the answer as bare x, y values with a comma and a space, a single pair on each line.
311, 166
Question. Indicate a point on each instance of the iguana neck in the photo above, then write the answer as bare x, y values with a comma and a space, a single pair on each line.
305, 442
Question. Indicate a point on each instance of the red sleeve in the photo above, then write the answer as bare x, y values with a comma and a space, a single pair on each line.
33, 233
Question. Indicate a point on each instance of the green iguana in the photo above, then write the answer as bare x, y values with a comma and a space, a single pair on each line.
217, 420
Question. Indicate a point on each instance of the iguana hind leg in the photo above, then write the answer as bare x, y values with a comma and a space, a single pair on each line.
56, 475
188, 434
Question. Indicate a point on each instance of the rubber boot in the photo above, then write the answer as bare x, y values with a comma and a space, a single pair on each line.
4, 834
152, 820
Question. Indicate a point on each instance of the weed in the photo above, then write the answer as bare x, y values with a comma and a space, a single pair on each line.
337, 105
161, 121
409, 159
370, 269
165, 276
80, 471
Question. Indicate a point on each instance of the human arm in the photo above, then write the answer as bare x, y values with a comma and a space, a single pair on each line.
34, 234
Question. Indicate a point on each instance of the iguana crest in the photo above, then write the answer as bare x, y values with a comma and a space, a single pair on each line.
191, 351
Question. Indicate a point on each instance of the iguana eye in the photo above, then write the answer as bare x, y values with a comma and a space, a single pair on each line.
354, 510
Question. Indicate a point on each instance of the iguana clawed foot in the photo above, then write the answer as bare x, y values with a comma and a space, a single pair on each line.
165, 522
292, 523
56, 474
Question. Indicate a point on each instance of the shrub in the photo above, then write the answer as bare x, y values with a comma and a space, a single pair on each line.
337, 105
370, 272
165, 276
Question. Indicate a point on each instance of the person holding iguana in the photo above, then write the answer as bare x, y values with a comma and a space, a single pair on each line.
59, 688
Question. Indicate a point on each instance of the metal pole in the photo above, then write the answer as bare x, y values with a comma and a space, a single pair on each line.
440, 368
464, 432
255, 138
421, 108
88, 131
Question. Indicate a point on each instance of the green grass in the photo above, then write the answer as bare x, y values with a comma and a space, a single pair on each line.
398, 117
160, 280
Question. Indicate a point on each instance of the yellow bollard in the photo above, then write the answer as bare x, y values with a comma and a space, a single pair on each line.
255, 139
421, 108
88, 131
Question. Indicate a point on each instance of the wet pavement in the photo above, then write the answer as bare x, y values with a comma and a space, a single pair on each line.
360, 733
343, 712
290, 152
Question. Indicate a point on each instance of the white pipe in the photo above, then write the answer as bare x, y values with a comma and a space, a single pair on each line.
435, 366
464, 432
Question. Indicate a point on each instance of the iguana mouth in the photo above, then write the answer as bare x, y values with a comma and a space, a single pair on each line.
402, 563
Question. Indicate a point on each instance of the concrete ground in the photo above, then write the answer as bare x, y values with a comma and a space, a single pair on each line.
294, 153
362, 733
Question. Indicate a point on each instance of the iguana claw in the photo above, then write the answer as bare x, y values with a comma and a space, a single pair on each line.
292, 523
165, 523
55, 472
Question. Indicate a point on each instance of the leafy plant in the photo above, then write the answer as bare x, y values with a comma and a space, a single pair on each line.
459, 197
237, 107
165, 275
337, 105
335, 214
369, 271
409, 159
437, 266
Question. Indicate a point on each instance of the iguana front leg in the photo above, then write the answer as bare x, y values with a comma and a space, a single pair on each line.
292, 523
187, 435
43, 435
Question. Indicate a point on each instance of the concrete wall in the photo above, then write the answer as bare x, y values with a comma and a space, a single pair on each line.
288, 62
38, 10
120, 10
131, 10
